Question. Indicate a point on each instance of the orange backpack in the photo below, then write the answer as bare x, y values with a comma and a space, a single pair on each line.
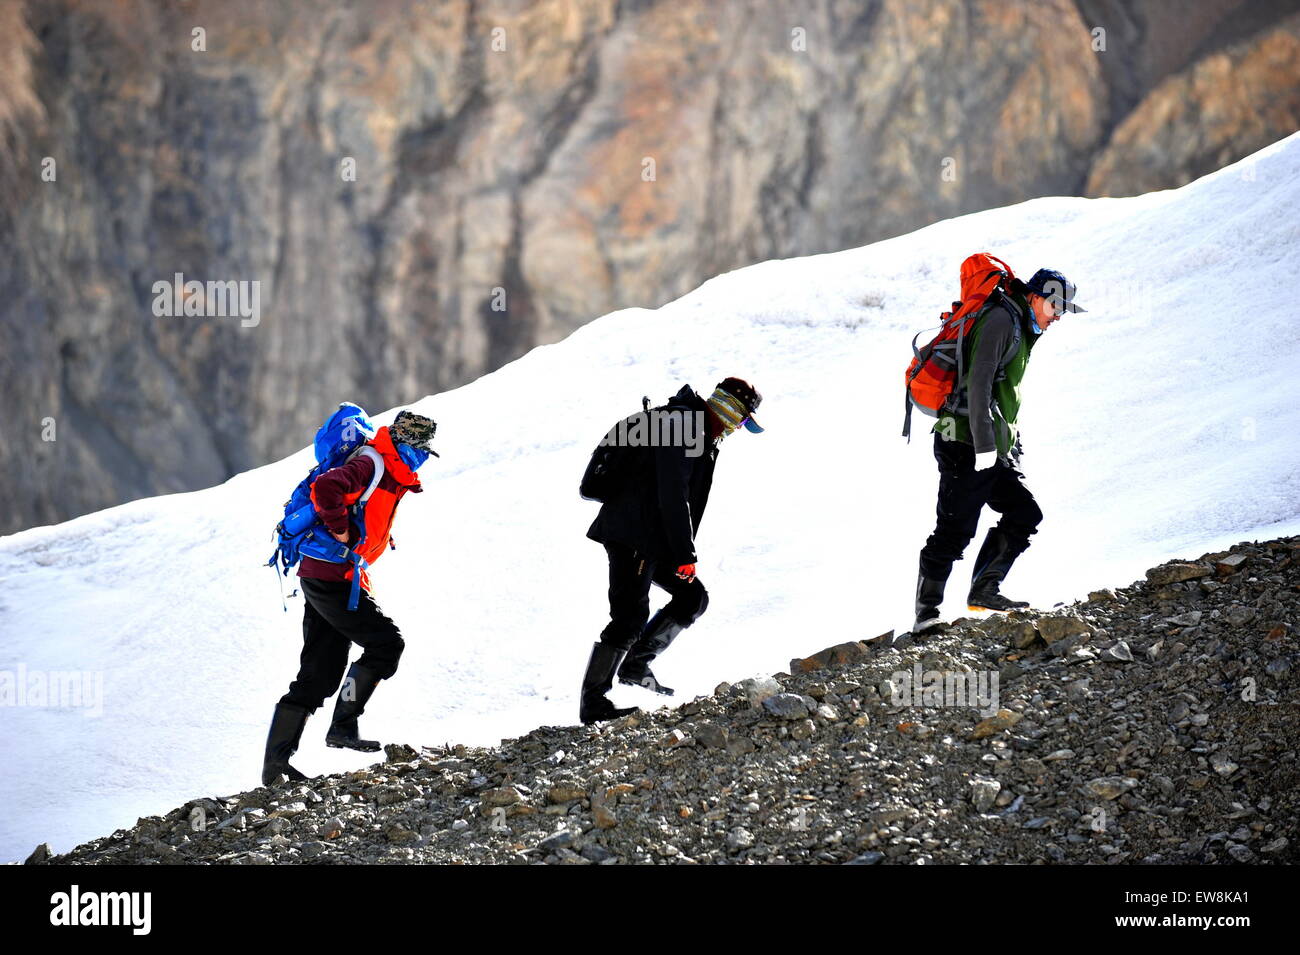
936, 370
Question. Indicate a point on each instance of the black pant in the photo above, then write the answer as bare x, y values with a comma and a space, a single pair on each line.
329, 629
963, 492
630, 576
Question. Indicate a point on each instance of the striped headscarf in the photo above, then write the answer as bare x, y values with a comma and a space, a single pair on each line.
734, 402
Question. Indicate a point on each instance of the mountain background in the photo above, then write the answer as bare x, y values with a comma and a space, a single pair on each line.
503, 153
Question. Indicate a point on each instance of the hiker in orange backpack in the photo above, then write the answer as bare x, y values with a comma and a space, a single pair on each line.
969, 379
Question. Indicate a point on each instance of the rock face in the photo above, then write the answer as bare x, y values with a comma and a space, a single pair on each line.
1182, 752
424, 191
1193, 120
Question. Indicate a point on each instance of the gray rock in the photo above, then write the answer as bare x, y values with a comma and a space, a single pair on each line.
740, 838
1241, 853
1119, 652
1055, 628
39, 855
563, 839
786, 706
802, 729
827, 712
758, 689
593, 852
1109, 787
1222, 764
1177, 571
983, 792
867, 858
711, 735
1239, 616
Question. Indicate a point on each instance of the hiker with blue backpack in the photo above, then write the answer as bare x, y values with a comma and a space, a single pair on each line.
652, 474
969, 378
337, 523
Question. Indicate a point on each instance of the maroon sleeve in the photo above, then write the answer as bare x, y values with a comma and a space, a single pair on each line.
328, 490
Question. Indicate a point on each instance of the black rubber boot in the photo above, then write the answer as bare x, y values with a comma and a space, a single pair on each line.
357, 688
929, 597
661, 631
992, 565
597, 681
282, 742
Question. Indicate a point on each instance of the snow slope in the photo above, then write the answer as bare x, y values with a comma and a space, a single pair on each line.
1161, 423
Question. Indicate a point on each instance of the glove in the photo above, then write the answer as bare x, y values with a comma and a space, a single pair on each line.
686, 572
985, 460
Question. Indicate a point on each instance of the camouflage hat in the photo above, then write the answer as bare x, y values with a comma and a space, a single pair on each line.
413, 429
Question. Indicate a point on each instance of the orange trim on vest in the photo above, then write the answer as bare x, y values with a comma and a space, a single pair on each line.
382, 505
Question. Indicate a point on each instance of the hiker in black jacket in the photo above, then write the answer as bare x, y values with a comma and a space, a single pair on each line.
648, 528
978, 449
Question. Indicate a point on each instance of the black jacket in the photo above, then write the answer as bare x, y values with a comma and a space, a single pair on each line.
658, 511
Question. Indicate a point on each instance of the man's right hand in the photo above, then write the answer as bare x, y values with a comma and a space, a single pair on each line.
985, 460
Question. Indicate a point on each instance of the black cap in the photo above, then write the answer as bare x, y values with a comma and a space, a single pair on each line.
1052, 285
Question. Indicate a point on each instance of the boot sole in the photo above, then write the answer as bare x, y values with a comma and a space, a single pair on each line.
285, 775
338, 744
661, 690
592, 720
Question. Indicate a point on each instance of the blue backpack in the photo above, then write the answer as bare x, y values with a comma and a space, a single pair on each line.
301, 533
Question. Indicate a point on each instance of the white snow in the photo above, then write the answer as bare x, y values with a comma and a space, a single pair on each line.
1160, 424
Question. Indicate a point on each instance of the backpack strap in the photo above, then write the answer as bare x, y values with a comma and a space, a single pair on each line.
1016, 318
359, 563
378, 460
960, 404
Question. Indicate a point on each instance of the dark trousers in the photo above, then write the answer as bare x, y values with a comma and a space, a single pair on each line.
630, 576
329, 629
963, 492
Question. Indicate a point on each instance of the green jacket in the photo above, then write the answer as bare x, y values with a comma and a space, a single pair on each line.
995, 356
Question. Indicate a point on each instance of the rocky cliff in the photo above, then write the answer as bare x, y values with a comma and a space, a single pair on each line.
424, 191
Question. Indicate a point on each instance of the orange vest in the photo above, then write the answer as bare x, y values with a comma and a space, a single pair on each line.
382, 505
